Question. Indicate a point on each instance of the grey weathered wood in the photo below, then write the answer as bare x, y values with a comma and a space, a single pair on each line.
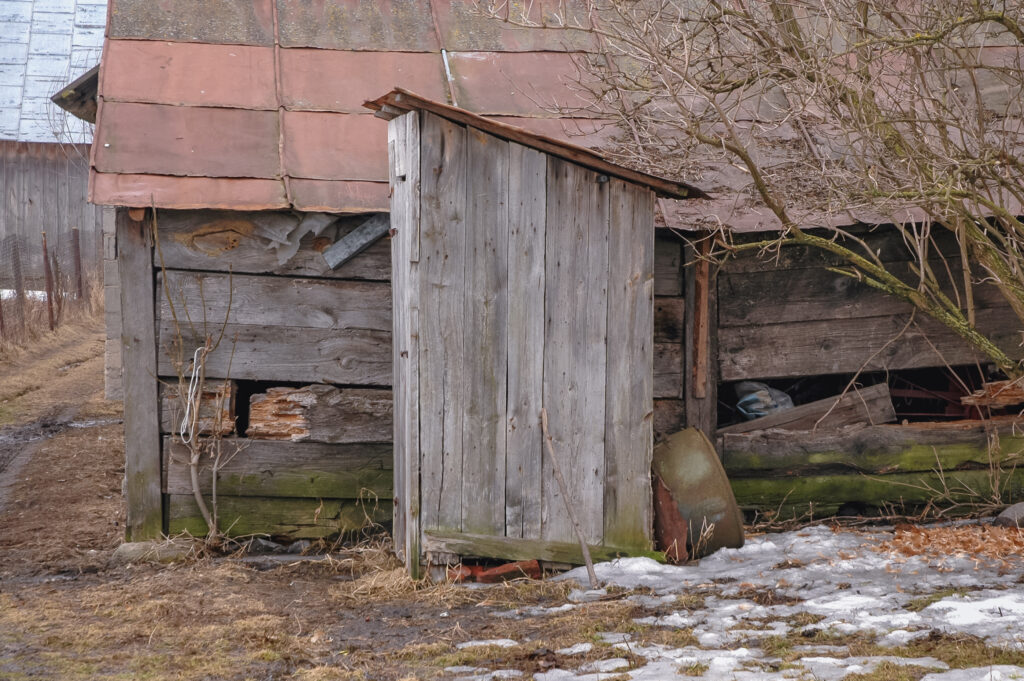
668, 264
870, 406
701, 344
668, 370
321, 413
141, 404
285, 469
630, 363
576, 276
849, 345
484, 334
796, 295
527, 191
669, 417
211, 298
357, 241
284, 353
219, 240
405, 174
668, 320
442, 272
513, 548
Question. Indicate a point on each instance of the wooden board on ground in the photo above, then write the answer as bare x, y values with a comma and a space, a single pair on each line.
321, 413
868, 406
285, 469
512, 548
282, 518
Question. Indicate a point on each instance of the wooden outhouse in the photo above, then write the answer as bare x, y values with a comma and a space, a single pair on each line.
522, 280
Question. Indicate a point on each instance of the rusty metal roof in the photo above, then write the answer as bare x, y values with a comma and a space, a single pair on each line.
257, 104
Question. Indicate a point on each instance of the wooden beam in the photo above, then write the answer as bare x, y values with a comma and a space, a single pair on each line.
868, 406
511, 548
263, 468
700, 340
141, 400
357, 241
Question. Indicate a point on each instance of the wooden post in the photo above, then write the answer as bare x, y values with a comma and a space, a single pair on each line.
19, 281
48, 273
76, 252
701, 338
141, 397
2, 328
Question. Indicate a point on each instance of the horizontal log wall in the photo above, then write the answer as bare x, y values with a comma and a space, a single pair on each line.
284, 316
788, 316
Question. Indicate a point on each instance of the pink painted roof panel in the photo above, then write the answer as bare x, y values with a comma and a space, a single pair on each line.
334, 146
179, 140
464, 26
121, 189
334, 80
381, 25
530, 83
340, 197
236, 22
160, 72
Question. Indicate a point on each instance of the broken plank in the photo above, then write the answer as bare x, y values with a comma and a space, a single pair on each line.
285, 469
871, 449
281, 517
357, 241
997, 394
216, 407
321, 413
870, 406
244, 243
512, 548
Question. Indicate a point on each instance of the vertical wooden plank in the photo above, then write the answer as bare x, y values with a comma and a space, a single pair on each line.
629, 410
701, 342
141, 402
523, 440
485, 334
403, 146
575, 301
442, 270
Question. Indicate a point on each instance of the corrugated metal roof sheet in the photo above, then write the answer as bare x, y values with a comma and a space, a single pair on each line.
204, 98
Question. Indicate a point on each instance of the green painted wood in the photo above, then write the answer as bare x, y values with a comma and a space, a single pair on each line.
512, 548
283, 518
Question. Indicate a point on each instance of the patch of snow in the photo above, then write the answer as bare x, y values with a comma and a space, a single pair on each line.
499, 642
580, 596
999, 672
612, 664
578, 649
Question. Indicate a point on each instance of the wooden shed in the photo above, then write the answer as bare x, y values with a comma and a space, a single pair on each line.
522, 280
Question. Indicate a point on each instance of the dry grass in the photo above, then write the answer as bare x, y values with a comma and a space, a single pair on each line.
36, 327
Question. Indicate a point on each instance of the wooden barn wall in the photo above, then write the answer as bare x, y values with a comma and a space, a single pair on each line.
790, 316
43, 187
297, 322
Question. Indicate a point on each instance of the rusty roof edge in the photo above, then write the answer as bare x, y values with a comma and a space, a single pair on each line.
400, 101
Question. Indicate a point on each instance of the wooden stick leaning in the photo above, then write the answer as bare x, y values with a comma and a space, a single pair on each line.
594, 584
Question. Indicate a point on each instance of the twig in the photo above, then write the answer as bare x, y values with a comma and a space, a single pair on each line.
594, 584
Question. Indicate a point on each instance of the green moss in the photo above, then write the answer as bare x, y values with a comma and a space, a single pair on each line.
922, 602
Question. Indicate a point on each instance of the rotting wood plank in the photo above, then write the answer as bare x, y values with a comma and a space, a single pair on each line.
141, 401
796, 295
668, 370
277, 517
849, 345
286, 469
357, 241
668, 320
527, 231
630, 359
996, 394
404, 172
871, 406
514, 548
669, 417
216, 407
442, 272
284, 353
873, 449
249, 243
908, 488
321, 413
576, 276
485, 334
212, 299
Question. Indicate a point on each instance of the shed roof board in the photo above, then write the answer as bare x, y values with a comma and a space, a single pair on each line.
45, 44
399, 101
